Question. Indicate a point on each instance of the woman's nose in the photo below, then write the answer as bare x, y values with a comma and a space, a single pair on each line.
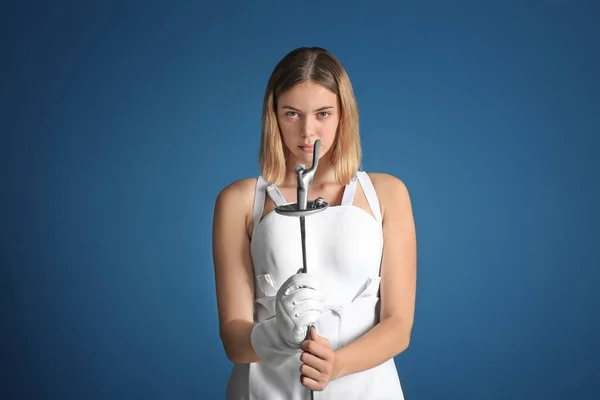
308, 127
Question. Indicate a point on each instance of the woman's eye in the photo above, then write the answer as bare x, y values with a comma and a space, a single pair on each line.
323, 114
291, 114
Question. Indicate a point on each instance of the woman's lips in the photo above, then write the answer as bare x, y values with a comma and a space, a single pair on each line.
307, 149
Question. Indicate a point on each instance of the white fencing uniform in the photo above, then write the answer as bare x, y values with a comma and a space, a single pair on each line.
344, 247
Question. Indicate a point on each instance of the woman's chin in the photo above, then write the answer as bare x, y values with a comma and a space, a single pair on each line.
305, 157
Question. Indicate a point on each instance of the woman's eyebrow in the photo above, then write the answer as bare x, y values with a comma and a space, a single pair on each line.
317, 110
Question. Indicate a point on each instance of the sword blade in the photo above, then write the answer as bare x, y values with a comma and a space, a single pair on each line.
303, 238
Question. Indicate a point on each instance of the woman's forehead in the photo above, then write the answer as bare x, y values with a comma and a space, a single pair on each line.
308, 94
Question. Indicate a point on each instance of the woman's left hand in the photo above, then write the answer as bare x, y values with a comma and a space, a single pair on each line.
319, 365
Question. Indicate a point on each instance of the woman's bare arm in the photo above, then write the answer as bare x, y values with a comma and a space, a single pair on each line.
233, 269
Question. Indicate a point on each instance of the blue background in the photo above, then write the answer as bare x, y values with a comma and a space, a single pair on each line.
121, 121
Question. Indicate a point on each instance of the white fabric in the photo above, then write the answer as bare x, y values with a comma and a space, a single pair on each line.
275, 194
298, 304
344, 247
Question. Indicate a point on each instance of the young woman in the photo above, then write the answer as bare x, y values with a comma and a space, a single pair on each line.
359, 292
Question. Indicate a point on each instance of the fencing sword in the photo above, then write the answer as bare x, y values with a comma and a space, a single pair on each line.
304, 207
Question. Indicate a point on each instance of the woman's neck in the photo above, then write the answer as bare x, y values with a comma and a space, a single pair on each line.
324, 174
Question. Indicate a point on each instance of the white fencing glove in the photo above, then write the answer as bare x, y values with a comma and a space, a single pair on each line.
298, 304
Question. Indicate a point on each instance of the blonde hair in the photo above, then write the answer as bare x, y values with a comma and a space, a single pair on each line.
310, 64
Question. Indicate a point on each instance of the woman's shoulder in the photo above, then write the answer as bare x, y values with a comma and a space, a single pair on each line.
239, 186
386, 182
238, 193
390, 189
234, 204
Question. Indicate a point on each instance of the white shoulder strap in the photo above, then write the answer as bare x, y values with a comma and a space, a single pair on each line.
276, 195
349, 191
370, 193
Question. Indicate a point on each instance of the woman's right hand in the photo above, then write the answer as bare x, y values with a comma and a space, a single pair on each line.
298, 304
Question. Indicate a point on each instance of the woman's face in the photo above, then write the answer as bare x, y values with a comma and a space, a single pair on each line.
305, 113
